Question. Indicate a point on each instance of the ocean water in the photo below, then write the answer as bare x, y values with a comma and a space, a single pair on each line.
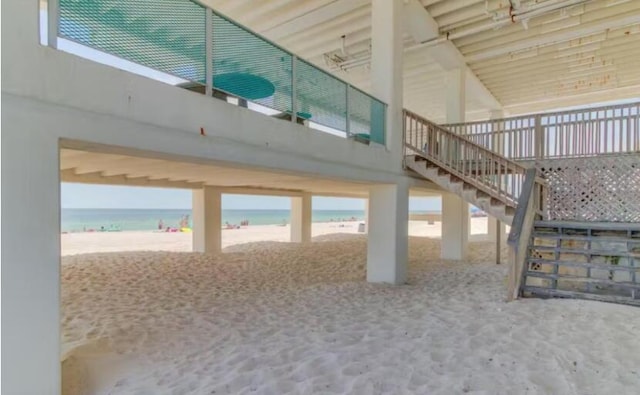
78, 220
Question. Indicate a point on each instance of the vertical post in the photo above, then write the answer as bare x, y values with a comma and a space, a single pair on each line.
208, 42
498, 240
53, 22
207, 220
386, 68
455, 227
348, 115
30, 257
538, 137
388, 234
455, 211
496, 229
294, 88
301, 217
366, 215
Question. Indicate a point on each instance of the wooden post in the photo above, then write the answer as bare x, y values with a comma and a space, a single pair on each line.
538, 136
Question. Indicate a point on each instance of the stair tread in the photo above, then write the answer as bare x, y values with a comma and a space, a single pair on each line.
581, 279
627, 254
588, 225
588, 265
582, 295
555, 236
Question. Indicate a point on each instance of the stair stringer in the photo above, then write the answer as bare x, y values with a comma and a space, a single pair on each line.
457, 186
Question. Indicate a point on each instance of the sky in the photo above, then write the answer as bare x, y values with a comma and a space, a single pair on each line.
107, 196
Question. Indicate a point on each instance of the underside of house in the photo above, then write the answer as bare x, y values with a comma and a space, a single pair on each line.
526, 109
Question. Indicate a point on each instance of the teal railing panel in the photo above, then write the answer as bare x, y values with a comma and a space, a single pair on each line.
366, 116
170, 36
166, 35
321, 97
247, 66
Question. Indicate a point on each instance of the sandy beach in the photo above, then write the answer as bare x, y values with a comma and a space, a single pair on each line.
278, 318
88, 242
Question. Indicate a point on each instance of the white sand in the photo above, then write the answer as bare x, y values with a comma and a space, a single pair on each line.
81, 243
277, 318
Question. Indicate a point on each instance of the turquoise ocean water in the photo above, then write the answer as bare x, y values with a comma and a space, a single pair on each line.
78, 220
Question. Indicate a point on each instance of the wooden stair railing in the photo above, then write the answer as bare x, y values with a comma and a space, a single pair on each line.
490, 172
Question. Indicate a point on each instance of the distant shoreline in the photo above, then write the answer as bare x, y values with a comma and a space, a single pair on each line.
114, 220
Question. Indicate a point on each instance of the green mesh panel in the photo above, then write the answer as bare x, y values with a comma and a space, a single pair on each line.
366, 116
166, 35
247, 66
321, 95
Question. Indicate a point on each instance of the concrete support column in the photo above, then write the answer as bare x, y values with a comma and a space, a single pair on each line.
30, 256
301, 211
366, 215
386, 67
388, 238
455, 227
207, 220
455, 211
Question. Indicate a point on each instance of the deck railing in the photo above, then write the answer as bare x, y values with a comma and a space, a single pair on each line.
567, 134
473, 163
209, 53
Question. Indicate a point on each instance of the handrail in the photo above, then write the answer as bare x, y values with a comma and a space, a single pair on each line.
486, 170
553, 135
521, 229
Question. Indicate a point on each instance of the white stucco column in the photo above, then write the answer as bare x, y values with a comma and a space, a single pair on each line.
30, 257
366, 215
455, 211
207, 220
387, 244
301, 211
386, 67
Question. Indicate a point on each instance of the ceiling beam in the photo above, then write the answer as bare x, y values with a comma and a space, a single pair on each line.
628, 92
323, 14
70, 175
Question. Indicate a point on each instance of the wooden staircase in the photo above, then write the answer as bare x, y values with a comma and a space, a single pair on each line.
587, 260
478, 175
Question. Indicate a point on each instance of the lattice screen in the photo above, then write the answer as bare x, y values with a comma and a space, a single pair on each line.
603, 188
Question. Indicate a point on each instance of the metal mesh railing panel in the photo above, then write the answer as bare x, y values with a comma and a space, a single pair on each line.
366, 116
247, 66
166, 35
321, 96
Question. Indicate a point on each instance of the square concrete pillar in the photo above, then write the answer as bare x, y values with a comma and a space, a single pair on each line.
386, 67
301, 213
30, 257
455, 227
207, 220
388, 239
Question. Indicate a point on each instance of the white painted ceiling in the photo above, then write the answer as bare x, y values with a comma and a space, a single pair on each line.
95, 167
531, 55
